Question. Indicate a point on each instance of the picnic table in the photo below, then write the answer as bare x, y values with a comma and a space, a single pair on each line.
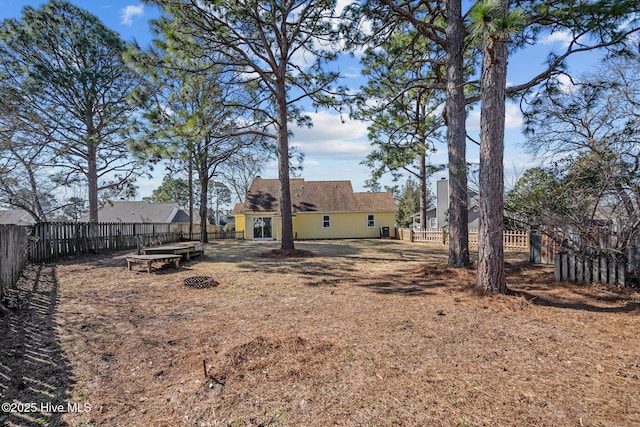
151, 258
187, 251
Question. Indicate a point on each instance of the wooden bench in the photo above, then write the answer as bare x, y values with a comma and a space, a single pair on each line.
150, 259
197, 251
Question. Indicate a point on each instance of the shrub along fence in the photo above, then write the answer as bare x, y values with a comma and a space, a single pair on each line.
14, 241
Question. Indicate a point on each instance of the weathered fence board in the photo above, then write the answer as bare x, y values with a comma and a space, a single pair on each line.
543, 248
13, 253
609, 269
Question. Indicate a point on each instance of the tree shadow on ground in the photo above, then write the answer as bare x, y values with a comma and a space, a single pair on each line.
396, 287
538, 298
535, 283
35, 376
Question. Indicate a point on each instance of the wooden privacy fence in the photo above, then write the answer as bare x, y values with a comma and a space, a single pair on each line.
214, 232
610, 269
603, 265
511, 239
543, 248
13, 253
52, 241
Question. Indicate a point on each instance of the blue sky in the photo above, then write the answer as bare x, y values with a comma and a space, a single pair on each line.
333, 149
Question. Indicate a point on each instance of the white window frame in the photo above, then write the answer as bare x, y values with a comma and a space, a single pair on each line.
326, 221
371, 220
433, 222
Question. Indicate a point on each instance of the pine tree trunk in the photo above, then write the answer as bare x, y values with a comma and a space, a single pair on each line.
283, 173
92, 178
490, 273
190, 172
455, 115
203, 177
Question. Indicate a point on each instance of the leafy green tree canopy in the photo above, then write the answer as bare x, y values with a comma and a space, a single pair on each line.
172, 190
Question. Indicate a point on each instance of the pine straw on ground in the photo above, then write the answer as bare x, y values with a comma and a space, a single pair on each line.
361, 333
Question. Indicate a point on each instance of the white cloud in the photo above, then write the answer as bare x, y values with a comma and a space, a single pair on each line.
473, 121
566, 84
331, 138
129, 12
311, 163
562, 37
513, 118
341, 5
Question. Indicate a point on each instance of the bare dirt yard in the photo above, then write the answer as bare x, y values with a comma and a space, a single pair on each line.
357, 333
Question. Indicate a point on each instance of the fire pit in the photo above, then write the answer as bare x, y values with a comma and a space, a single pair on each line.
200, 282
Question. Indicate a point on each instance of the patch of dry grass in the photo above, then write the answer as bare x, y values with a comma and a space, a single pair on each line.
361, 333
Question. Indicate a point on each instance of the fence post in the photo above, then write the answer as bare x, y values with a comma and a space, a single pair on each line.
557, 268
411, 235
603, 269
622, 271
595, 269
535, 247
444, 236
612, 270
587, 269
565, 266
572, 267
580, 269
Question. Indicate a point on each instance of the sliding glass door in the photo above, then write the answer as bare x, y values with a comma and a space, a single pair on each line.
262, 229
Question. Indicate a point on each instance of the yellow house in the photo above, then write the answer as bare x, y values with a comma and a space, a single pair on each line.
321, 210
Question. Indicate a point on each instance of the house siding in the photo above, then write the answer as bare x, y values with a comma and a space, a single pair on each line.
351, 225
474, 219
344, 225
240, 225
311, 200
442, 203
440, 211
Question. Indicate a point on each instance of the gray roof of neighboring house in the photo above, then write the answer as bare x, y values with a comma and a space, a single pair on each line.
141, 211
16, 216
313, 196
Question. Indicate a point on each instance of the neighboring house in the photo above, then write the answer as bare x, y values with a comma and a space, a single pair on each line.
321, 210
437, 216
142, 211
16, 216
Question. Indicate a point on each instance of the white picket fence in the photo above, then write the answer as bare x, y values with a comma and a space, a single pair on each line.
516, 240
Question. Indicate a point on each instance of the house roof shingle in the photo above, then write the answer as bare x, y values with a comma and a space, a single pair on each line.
16, 216
313, 196
141, 211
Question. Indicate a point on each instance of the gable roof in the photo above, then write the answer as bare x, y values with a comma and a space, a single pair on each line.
313, 196
16, 216
141, 211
